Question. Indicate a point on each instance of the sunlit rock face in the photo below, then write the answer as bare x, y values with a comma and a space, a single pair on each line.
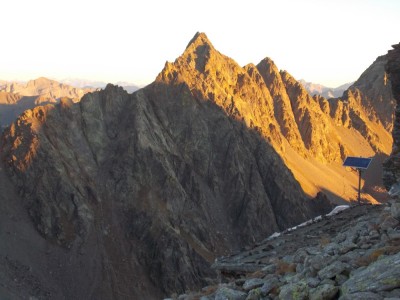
391, 174
313, 135
309, 133
159, 182
142, 191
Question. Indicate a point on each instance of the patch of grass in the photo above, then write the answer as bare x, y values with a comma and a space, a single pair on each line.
367, 260
208, 290
283, 267
394, 242
376, 227
274, 291
325, 240
257, 274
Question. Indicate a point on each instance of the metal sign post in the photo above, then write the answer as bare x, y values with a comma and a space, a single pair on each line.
359, 186
359, 163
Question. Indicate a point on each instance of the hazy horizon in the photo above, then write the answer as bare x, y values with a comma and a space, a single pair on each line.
86, 82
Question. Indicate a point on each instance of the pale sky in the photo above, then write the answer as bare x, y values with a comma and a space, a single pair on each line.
328, 42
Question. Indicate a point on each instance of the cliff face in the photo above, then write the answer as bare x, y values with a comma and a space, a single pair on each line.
312, 135
391, 167
376, 90
189, 168
160, 182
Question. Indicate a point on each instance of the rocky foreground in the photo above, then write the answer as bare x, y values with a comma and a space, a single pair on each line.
351, 255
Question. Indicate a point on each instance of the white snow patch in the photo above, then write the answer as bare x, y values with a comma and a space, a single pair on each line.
338, 209
274, 235
335, 211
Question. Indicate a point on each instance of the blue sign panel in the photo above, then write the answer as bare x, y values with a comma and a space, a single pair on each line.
357, 162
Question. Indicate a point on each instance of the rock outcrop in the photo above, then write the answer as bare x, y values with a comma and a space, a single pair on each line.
351, 255
164, 180
161, 182
391, 177
313, 135
376, 89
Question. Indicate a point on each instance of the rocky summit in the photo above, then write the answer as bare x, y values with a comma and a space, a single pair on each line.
134, 196
350, 253
313, 135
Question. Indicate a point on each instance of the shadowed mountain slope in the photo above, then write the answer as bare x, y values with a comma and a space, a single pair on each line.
376, 89
134, 195
161, 182
391, 177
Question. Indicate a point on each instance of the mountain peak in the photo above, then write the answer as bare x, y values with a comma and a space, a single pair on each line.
268, 64
41, 80
195, 57
200, 38
268, 61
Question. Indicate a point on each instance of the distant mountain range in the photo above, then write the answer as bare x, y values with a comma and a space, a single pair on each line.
20, 96
49, 90
327, 92
84, 83
16, 97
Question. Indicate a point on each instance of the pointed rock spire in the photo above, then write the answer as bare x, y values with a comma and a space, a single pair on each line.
200, 38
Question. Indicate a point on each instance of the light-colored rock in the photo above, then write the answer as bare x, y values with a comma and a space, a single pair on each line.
324, 291
318, 262
332, 270
225, 293
253, 283
295, 291
255, 294
269, 285
313, 282
340, 279
361, 296
346, 247
390, 221
382, 275
395, 210
331, 248
269, 269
